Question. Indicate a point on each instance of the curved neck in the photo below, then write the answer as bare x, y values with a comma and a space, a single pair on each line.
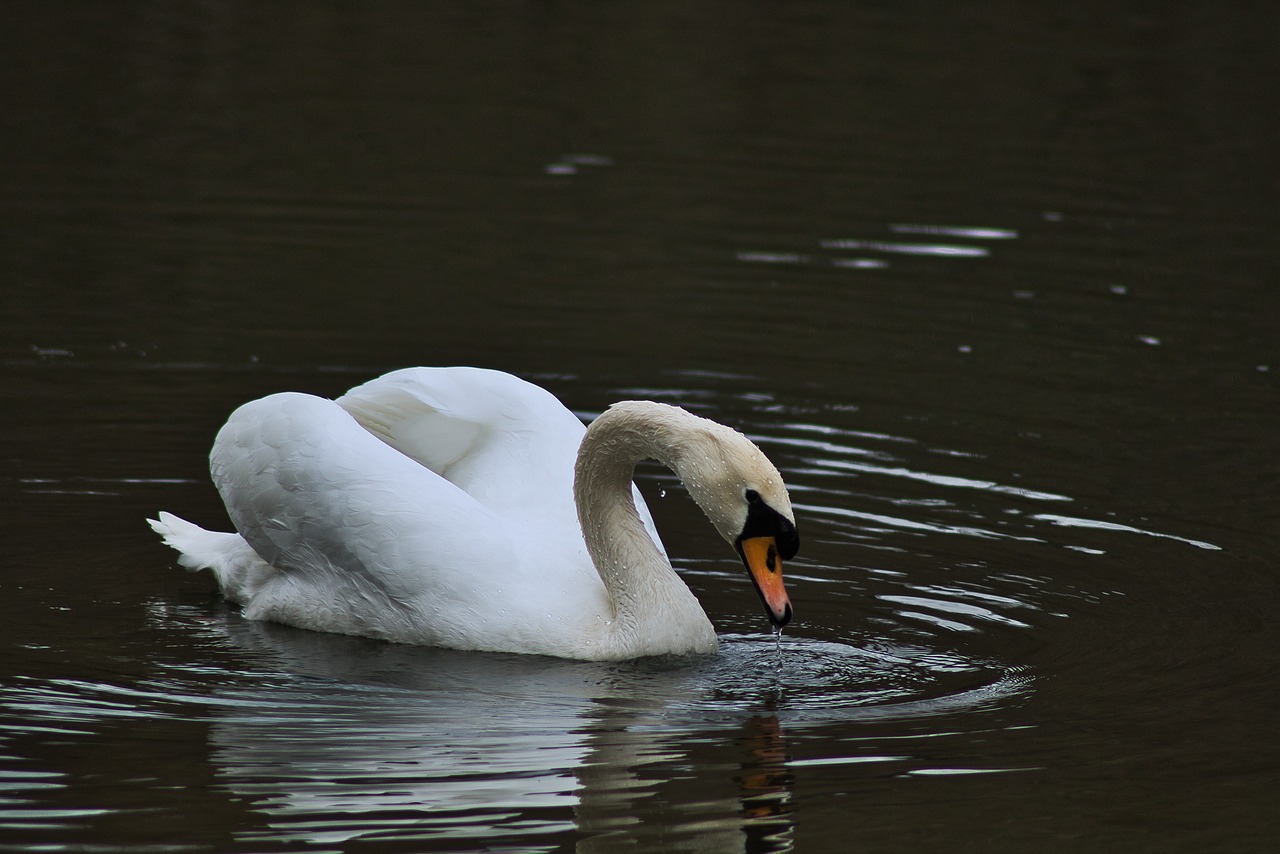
647, 596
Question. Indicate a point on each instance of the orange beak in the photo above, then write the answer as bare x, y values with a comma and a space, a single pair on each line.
760, 554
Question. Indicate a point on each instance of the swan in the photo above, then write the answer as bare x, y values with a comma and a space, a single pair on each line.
467, 508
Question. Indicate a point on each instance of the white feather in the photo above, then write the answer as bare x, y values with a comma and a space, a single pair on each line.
436, 506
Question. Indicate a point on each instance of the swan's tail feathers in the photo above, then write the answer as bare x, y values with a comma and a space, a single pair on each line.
197, 548
240, 571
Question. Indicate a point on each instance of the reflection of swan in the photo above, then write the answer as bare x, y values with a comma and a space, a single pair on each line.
448, 507
406, 743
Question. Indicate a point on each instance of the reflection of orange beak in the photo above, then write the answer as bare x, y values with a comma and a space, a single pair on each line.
765, 783
760, 554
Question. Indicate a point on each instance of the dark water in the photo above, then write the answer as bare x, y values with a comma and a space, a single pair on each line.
995, 287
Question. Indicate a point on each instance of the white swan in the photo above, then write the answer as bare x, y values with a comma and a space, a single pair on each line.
466, 508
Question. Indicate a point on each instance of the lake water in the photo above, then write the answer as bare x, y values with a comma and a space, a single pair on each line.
994, 286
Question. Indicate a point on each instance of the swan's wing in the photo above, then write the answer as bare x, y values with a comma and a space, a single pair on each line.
365, 537
508, 443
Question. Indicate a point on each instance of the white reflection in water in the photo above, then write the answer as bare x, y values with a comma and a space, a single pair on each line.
941, 479
950, 606
330, 763
859, 263
1098, 525
910, 524
414, 743
889, 247
895, 247
968, 232
773, 258
326, 739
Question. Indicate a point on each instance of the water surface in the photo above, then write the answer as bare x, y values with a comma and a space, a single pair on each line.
994, 288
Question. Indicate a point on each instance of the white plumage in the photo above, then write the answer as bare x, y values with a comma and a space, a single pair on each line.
438, 506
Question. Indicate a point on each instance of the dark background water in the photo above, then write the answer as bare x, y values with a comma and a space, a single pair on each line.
995, 287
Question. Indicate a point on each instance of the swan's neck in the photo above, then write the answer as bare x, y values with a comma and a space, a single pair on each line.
654, 611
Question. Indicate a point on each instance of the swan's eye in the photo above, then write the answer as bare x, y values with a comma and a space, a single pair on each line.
753, 497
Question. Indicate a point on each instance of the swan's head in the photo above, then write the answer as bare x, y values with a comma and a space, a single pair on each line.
743, 495
731, 479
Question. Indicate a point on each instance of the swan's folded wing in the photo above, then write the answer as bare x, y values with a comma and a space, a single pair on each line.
361, 532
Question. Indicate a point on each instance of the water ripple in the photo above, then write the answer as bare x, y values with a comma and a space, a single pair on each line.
1099, 525
896, 247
